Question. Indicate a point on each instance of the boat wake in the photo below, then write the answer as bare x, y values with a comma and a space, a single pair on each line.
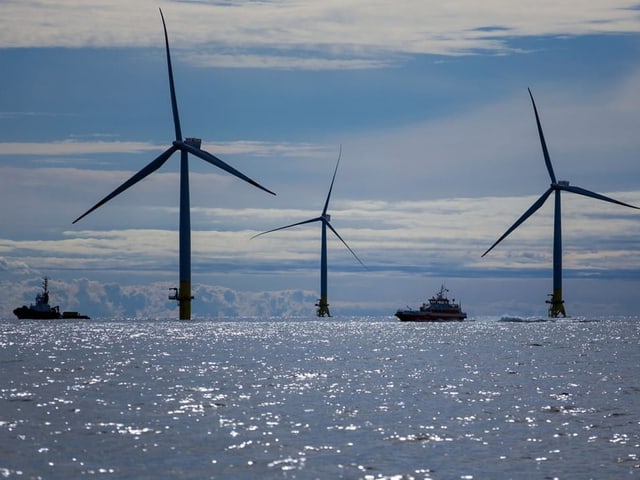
514, 319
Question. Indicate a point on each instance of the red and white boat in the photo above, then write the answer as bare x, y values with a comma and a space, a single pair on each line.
439, 309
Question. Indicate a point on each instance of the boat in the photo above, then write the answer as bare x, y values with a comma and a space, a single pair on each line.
439, 309
41, 310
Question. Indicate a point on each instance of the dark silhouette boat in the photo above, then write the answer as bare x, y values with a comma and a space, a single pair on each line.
439, 309
41, 310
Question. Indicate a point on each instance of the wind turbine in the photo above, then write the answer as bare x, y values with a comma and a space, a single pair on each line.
556, 303
187, 146
324, 218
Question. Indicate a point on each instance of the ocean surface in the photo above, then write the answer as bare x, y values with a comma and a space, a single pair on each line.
343, 398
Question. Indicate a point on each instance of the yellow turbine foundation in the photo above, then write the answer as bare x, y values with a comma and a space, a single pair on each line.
184, 300
323, 308
556, 304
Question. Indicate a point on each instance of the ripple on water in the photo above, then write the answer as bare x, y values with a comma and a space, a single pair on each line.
319, 399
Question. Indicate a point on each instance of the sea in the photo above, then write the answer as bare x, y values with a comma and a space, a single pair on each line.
306, 398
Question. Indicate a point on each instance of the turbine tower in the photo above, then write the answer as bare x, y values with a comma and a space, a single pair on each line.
187, 146
324, 218
556, 303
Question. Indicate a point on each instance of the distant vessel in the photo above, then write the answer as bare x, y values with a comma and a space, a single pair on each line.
439, 309
41, 310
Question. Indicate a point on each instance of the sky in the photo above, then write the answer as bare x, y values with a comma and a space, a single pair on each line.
428, 101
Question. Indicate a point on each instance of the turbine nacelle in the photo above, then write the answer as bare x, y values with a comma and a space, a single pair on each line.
563, 183
190, 141
196, 142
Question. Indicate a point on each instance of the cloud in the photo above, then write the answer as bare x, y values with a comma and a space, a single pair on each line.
335, 33
113, 300
444, 235
14, 266
313, 61
72, 147
76, 147
491, 297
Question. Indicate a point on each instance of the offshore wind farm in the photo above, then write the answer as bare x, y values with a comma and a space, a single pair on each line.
427, 100
435, 163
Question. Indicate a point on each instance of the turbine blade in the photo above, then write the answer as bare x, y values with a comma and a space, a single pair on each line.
588, 193
545, 151
345, 243
532, 209
150, 168
207, 157
311, 220
326, 203
174, 102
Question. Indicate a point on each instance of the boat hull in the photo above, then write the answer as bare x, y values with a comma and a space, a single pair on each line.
417, 316
26, 313
74, 315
